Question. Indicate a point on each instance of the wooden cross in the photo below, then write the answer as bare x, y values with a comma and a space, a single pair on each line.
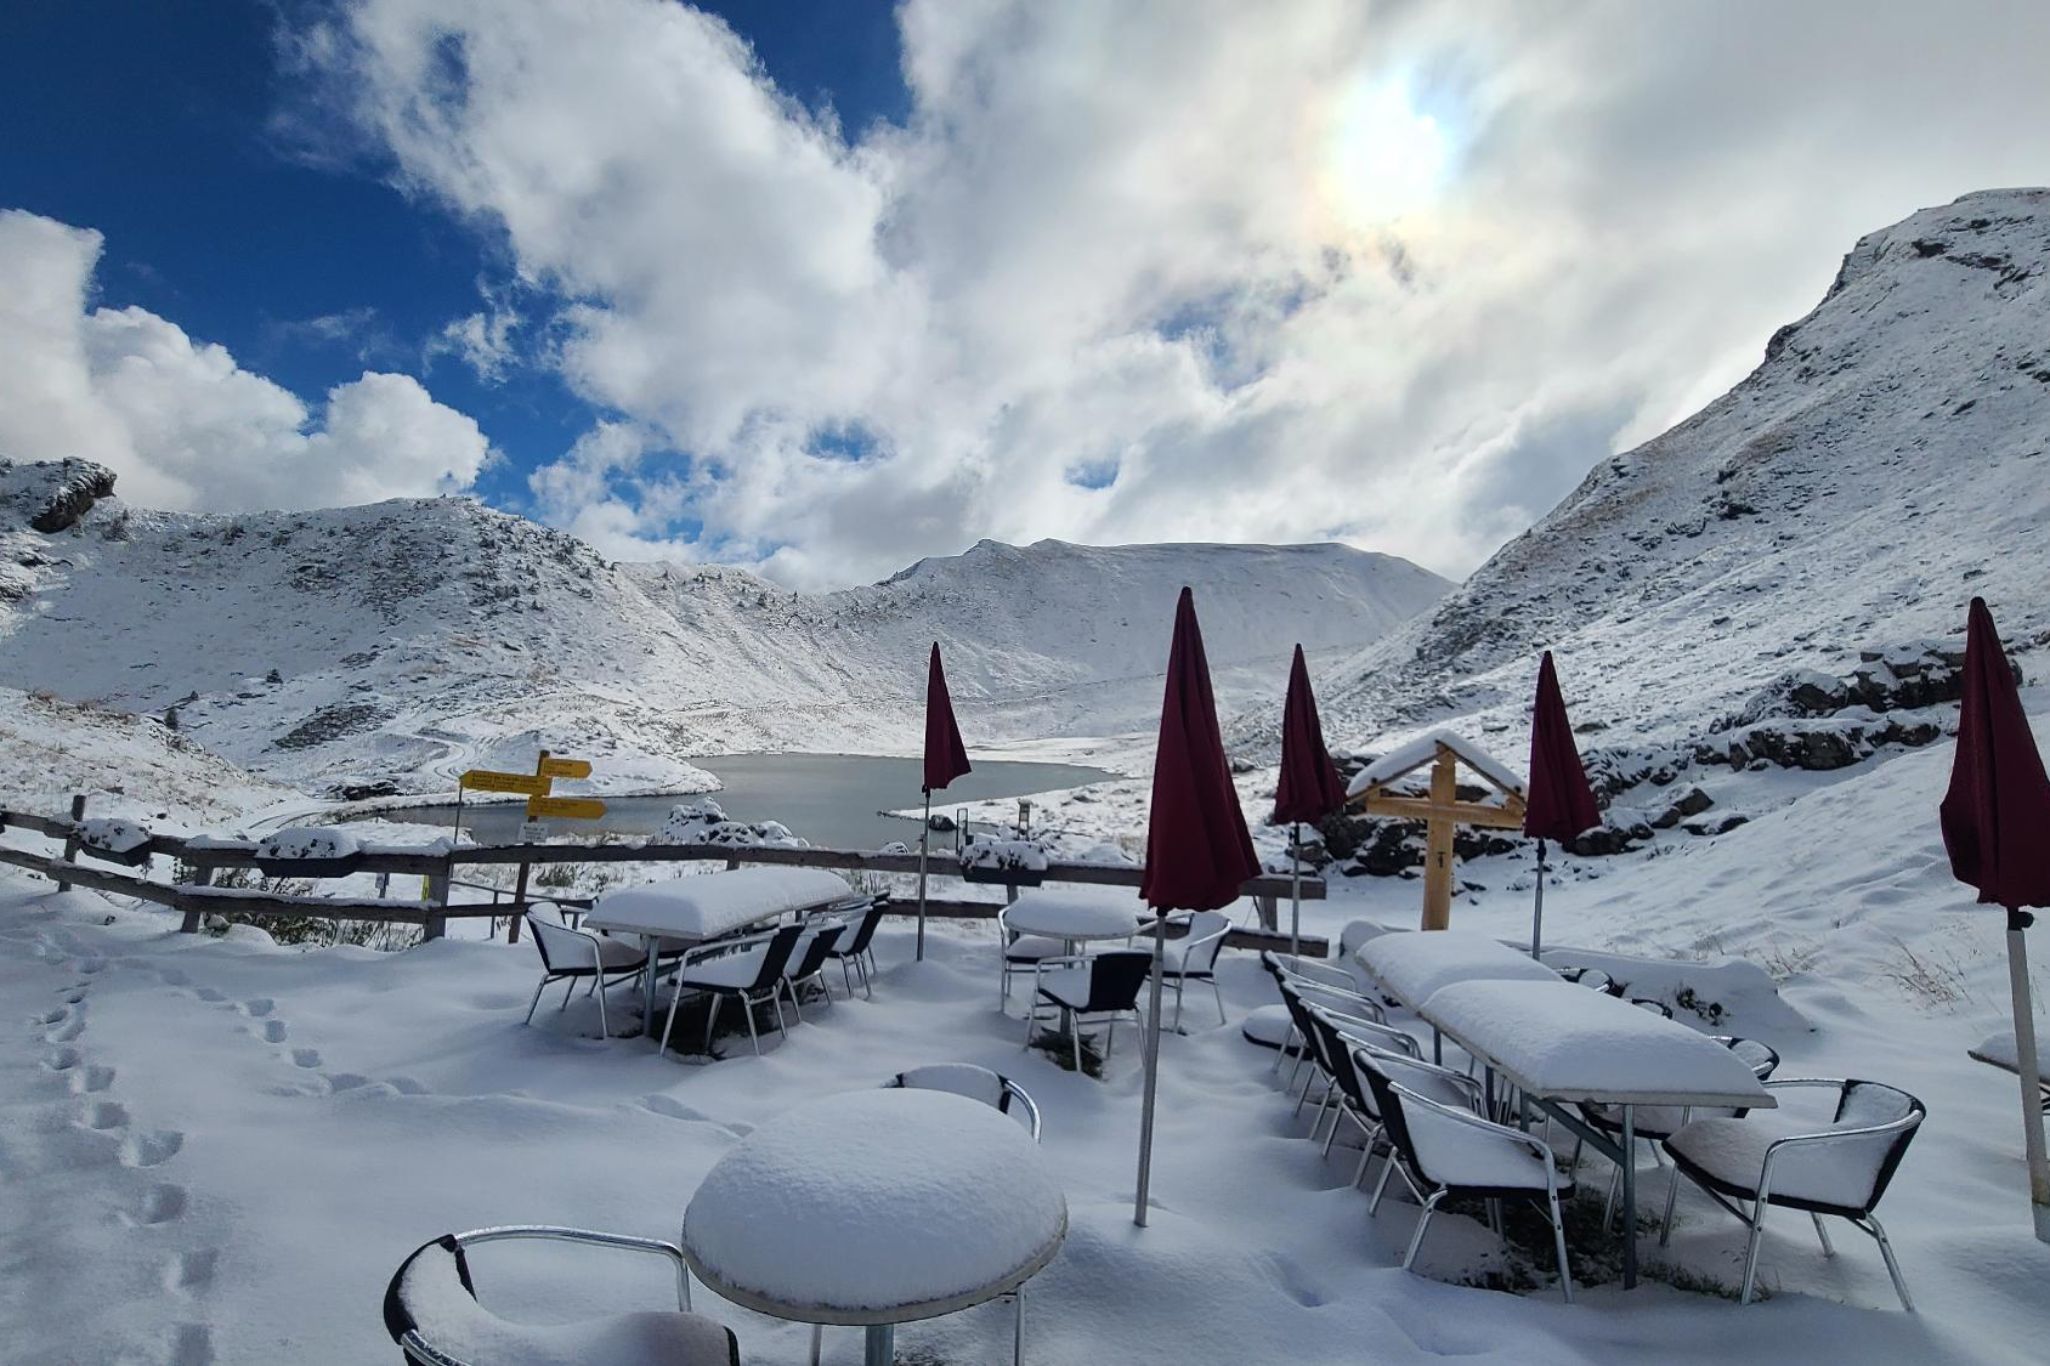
1442, 812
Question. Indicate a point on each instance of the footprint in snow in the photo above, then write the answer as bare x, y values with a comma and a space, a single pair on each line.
274, 1031
66, 1032
151, 1149
61, 1059
210, 995
190, 1273
306, 1057
106, 1114
86, 1081
89, 966
192, 1344
258, 1006
161, 1204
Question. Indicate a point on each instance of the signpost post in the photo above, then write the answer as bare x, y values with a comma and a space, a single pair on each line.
535, 787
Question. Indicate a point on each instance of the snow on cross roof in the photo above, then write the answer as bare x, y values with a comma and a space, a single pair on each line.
1421, 750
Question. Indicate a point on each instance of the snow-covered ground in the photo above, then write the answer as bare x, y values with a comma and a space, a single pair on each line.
218, 1149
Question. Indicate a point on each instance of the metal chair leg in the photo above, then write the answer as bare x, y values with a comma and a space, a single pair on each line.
1893, 1267
1559, 1240
567, 992
1672, 1196
747, 1009
1177, 1005
817, 1332
538, 989
604, 1027
1220, 1000
1823, 1234
1018, 1327
1423, 1222
711, 1018
1381, 1186
791, 987
1751, 1250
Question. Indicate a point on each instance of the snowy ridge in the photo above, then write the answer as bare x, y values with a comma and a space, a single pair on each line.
407, 641
1886, 461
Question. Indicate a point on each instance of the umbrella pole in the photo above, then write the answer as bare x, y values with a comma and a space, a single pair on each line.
2026, 1064
924, 839
1295, 892
1537, 914
1152, 1072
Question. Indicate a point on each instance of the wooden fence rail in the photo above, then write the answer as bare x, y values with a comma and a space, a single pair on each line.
206, 855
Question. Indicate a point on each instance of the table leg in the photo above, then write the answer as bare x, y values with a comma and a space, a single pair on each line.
880, 1347
1629, 1197
652, 949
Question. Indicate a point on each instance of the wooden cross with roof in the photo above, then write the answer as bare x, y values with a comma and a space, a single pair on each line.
1442, 812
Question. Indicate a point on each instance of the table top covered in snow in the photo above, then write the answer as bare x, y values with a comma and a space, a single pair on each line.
1558, 1041
1077, 913
2000, 1050
712, 904
1412, 965
878, 1206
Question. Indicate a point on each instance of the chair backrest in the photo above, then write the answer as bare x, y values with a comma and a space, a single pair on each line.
1655, 1007
1299, 1013
863, 932
822, 940
560, 946
1115, 978
776, 955
976, 1083
1339, 1057
1865, 1103
1762, 1058
1203, 957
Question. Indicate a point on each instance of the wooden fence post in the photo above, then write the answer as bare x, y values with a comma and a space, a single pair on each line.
437, 900
205, 878
519, 906
71, 840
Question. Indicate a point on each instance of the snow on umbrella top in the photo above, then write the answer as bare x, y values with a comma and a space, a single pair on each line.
1198, 853
1560, 804
945, 757
1310, 788
1996, 815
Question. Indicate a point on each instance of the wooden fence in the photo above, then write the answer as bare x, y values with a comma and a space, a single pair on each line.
206, 856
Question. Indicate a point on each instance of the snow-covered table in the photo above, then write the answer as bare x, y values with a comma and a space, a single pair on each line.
1072, 915
691, 910
1411, 966
1561, 1044
876, 1208
2000, 1051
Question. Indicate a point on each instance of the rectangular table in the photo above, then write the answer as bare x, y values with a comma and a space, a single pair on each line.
1411, 965
1561, 1044
708, 906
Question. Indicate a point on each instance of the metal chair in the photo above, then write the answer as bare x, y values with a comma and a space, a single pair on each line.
1654, 1124
432, 1313
1022, 953
993, 1089
1447, 1150
1768, 1159
1193, 958
1089, 988
755, 975
571, 956
856, 950
811, 965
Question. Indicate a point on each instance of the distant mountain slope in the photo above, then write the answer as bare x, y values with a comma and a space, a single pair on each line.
412, 639
1888, 459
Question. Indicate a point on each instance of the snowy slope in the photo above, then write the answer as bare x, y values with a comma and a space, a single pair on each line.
410, 640
1888, 459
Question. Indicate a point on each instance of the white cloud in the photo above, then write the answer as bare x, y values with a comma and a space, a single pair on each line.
179, 421
1394, 273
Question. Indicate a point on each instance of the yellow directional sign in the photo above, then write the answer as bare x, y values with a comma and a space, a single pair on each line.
489, 780
565, 808
552, 767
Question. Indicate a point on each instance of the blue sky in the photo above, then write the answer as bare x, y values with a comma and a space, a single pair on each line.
157, 125
822, 288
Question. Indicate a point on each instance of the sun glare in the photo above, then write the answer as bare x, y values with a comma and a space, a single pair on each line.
1389, 158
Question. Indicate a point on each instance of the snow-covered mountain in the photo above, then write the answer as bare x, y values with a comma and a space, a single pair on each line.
409, 640
1888, 459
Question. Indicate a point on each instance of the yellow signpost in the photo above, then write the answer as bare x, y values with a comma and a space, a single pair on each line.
565, 808
552, 767
488, 780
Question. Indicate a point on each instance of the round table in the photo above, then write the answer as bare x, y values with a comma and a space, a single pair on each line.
1072, 917
875, 1208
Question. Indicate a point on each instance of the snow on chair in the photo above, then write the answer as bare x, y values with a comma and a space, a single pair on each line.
810, 966
1770, 1158
754, 974
432, 1313
1193, 958
1090, 988
1447, 1150
856, 951
993, 1089
570, 956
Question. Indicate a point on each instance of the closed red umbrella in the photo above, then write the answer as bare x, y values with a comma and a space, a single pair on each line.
945, 760
1559, 804
1996, 828
1198, 854
1309, 788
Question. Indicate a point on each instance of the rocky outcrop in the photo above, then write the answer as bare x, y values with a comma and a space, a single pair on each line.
51, 495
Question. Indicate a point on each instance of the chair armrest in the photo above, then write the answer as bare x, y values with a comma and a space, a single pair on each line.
1353, 999
590, 1238
1379, 1037
1322, 974
1538, 1147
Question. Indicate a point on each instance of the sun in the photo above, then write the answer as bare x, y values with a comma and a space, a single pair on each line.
1388, 159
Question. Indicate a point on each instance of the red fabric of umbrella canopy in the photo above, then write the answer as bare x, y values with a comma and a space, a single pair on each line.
1310, 788
1198, 853
945, 758
1996, 815
1560, 804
